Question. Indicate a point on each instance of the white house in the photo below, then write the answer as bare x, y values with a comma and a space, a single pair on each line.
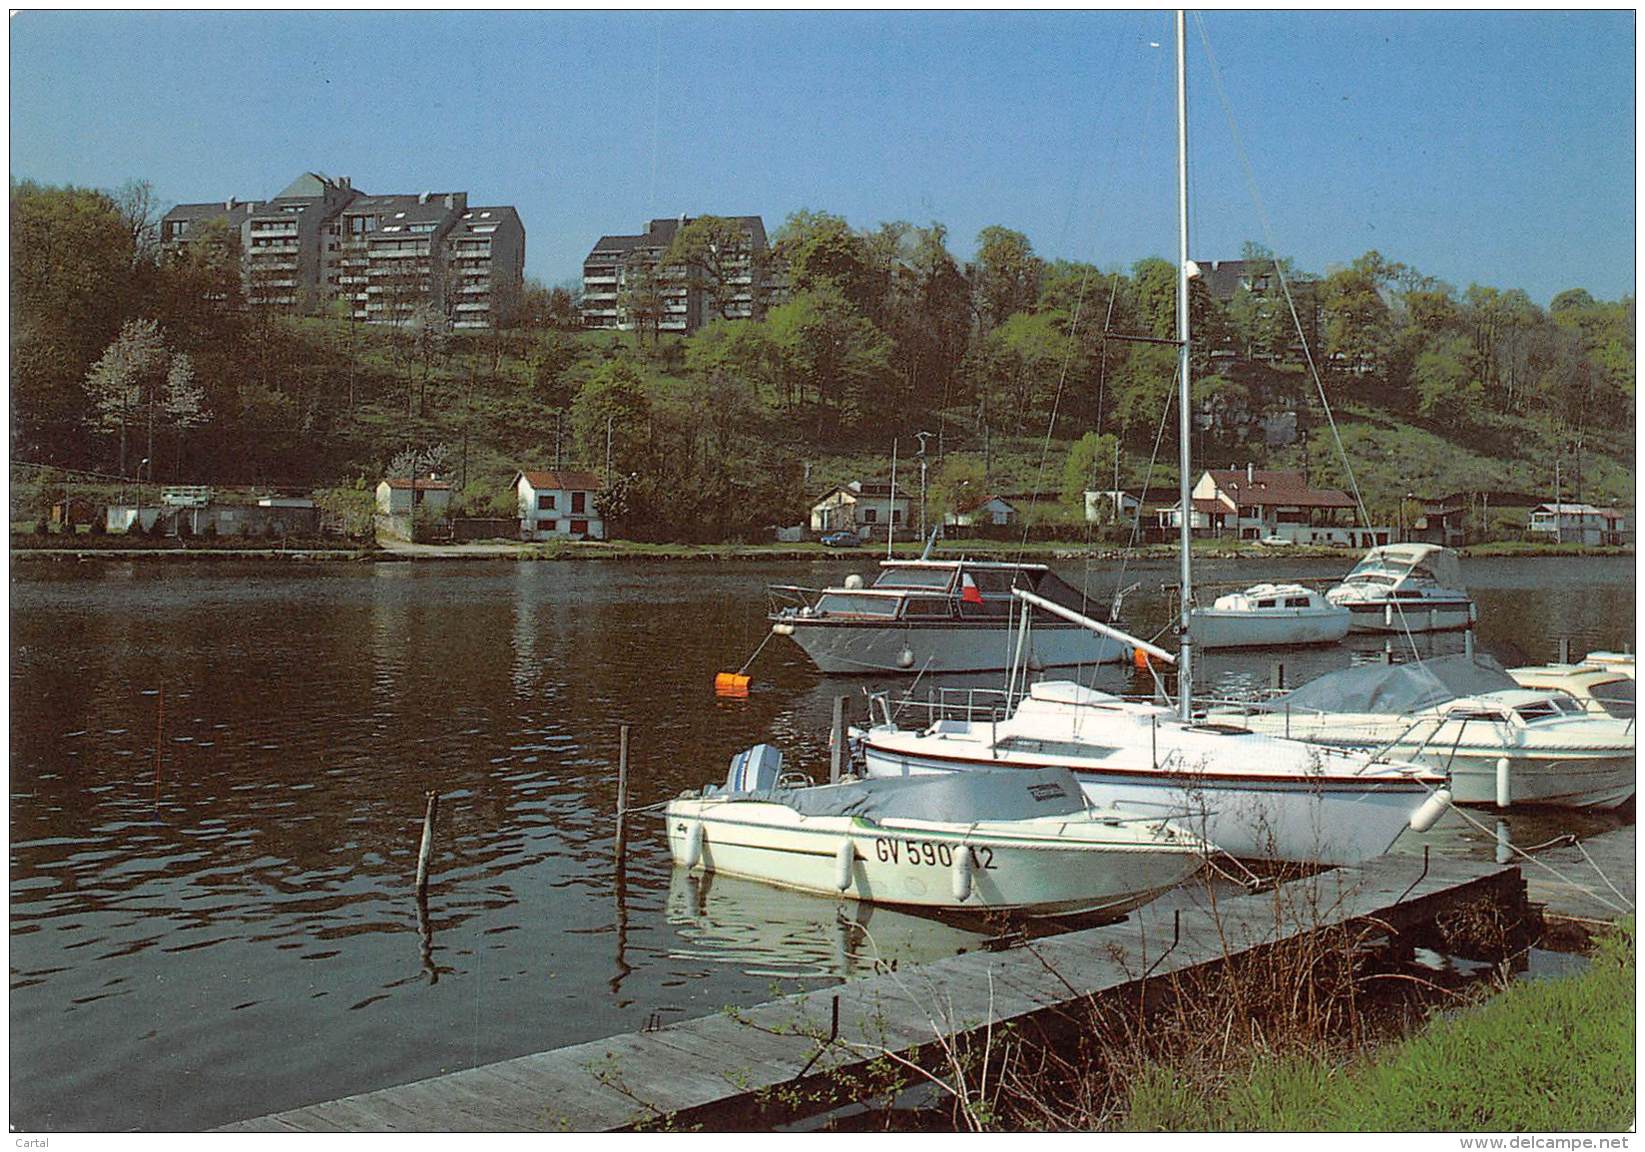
401, 495
1111, 507
1254, 503
1568, 523
865, 508
558, 505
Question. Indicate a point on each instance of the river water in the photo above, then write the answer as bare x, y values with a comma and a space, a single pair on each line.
217, 781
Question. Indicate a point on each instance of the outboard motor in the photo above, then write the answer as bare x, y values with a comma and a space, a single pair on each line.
755, 770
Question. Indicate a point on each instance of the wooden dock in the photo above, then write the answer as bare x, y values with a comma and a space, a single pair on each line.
1585, 884
779, 1061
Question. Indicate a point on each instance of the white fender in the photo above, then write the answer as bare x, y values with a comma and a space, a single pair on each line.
1432, 809
1504, 787
845, 860
693, 846
961, 873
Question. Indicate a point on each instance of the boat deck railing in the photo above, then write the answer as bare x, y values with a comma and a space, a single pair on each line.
992, 705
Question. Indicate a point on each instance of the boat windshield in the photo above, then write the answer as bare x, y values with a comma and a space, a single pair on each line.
1550, 708
847, 604
1616, 697
1377, 578
915, 578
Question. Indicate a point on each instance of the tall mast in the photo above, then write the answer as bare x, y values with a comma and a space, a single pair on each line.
1185, 679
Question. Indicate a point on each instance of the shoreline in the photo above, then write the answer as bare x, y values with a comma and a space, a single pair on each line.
626, 550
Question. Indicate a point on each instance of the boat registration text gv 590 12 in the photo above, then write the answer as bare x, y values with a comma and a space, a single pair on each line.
928, 852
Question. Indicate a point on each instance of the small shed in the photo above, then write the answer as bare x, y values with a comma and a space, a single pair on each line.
402, 495
995, 510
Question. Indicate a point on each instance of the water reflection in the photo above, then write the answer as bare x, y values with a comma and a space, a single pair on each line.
773, 932
248, 916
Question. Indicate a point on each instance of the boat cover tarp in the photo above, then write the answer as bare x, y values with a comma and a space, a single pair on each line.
950, 797
1392, 689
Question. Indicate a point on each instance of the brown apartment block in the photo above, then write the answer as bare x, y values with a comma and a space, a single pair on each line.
385, 257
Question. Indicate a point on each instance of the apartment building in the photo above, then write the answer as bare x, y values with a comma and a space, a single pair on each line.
385, 257
627, 286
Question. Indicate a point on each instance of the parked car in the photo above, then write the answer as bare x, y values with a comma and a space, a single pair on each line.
844, 538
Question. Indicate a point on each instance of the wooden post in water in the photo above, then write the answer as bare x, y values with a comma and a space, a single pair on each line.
836, 742
622, 796
1564, 649
1276, 676
426, 850
159, 738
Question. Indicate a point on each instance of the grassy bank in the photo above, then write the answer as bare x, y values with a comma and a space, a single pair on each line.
27, 545
1545, 1055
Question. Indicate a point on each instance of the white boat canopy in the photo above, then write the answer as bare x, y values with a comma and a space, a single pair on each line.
1441, 562
956, 798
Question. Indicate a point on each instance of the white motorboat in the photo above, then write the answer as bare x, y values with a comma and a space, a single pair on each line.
1252, 796
1003, 841
1466, 717
1270, 616
938, 616
1406, 588
1604, 688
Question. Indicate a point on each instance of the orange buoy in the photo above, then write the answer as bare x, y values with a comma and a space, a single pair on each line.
1140, 659
730, 684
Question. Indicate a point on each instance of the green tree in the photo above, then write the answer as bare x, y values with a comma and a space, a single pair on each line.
1356, 316
1446, 377
820, 251
831, 350
1091, 467
717, 254
75, 275
960, 482
613, 403
1005, 275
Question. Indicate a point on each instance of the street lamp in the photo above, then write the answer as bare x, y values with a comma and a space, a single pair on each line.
140, 464
922, 437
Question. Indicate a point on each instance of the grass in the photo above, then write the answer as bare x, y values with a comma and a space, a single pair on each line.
1545, 1055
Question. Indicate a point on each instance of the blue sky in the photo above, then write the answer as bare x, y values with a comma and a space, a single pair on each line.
1496, 148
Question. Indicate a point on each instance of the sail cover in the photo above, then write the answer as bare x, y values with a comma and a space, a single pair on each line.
1396, 688
950, 797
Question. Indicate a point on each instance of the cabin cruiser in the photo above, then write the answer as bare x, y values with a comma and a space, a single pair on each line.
1469, 718
1025, 842
939, 616
1406, 588
1605, 688
1252, 796
1269, 616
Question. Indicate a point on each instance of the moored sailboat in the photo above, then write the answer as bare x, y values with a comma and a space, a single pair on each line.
1264, 798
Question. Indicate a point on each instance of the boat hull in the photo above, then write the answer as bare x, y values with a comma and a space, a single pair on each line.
1568, 778
1285, 628
915, 866
1299, 820
846, 647
1411, 616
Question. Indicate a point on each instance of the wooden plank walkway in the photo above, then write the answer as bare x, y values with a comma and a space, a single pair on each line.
1595, 881
716, 1071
